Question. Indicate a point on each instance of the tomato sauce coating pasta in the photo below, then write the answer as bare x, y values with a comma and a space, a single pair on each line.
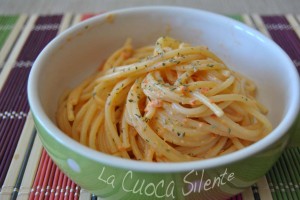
169, 102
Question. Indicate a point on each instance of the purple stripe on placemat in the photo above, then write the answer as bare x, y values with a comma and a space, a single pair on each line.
44, 31
13, 95
7, 151
53, 19
14, 90
285, 36
237, 197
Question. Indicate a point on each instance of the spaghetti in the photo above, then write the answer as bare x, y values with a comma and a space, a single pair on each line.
169, 102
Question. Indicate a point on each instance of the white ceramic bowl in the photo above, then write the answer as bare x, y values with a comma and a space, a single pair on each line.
77, 52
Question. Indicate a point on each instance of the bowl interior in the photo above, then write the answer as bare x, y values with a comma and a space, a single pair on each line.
79, 51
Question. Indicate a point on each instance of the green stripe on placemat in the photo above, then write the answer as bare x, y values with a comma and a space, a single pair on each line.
6, 25
284, 177
237, 17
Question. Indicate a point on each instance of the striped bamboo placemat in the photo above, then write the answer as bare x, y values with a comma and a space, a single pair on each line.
27, 172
